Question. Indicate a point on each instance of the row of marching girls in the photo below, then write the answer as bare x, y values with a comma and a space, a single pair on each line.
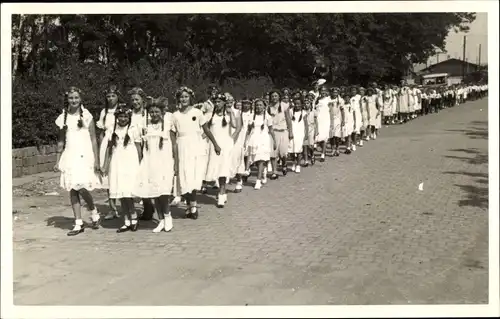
142, 148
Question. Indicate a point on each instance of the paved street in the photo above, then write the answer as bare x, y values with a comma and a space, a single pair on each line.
352, 230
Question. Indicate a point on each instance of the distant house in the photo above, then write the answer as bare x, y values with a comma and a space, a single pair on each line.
454, 68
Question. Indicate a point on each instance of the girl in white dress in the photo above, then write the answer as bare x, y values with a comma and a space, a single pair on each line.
357, 119
106, 122
121, 163
373, 113
259, 130
394, 106
240, 161
155, 178
365, 121
337, 120
323, 115
387, 104
138, 101
188, 124
311, 131
348, 123
220, 167
78, 157
403, 104
299, 128
207, 108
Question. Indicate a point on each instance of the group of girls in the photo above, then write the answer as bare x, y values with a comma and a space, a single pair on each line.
161, 154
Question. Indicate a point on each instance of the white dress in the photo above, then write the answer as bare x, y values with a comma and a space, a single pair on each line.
191, 149
323, 115
394, 105
124, 164
373, 112
299, 129
348, 127
105, 125
418, 99
403, 101
77, 159
155, 176
309, 137
356, 111
139, 121
220, 165
365, 118
240, 150
259, 148
336, 107
207, 110
387, 102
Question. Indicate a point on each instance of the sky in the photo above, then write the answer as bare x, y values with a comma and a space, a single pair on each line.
478, 34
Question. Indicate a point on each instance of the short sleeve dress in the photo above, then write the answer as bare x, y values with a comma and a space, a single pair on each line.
191, 148
124, 164
77, 159
155, 176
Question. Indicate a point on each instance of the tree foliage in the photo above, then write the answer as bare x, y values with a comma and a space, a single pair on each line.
161, 52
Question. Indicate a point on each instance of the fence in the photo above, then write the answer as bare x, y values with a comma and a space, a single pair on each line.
33, 160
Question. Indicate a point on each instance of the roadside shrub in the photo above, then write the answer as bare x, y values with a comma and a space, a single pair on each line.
37, 101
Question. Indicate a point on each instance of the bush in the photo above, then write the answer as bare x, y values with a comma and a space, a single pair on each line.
37, 101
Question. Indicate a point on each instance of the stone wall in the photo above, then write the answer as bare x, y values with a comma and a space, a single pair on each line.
33, 160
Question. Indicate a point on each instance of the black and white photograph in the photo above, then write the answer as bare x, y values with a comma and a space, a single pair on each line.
250, 154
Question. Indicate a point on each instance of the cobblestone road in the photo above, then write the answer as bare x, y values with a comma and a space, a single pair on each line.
353, 230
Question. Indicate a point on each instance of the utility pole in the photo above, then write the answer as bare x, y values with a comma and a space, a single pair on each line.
463, 57
479, 63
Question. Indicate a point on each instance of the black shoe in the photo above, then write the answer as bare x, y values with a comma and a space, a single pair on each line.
75, 232
134, 227
284, 171
204, 190
123, 229
273, 177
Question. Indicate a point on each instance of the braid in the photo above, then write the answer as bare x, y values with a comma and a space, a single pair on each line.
64, 129
127, 137
80, 120
106, 107
162, 129
114, 137
279, 106
210, 121
147, 124
300, 118
224, 122
252, 125
262, 126
293, 114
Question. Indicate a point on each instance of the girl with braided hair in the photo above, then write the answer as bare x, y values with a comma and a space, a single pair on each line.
78, 157
105, 123
260, 130
189, 124
121, 162
155, 179
299, 128
219, 167
138, 101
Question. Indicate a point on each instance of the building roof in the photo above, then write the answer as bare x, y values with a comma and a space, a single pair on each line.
448, 62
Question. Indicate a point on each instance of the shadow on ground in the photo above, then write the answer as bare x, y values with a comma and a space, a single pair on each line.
475, 195
479, 158
477, 130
